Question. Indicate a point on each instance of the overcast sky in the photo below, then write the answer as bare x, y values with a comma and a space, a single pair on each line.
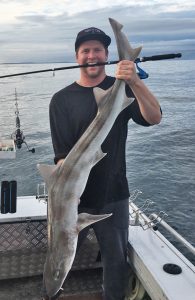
45, 30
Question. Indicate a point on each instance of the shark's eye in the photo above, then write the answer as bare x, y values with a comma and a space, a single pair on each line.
56, 274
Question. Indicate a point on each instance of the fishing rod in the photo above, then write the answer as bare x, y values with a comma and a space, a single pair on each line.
138, 60
18, 135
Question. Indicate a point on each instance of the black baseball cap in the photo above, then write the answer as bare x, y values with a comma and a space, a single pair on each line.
92, 33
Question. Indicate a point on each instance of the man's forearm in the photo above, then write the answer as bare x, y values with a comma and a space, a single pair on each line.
149, 106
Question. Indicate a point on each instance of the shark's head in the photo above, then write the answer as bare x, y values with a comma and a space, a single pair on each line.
54, 276
57, 267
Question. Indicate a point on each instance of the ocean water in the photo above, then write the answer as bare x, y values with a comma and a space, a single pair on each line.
160, 159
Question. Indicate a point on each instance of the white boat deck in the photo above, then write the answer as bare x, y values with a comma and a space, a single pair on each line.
27, 207
149, 251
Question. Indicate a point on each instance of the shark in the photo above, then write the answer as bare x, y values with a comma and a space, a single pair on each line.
66, 182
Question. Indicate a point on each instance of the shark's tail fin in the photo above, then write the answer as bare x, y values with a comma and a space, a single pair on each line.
125, 51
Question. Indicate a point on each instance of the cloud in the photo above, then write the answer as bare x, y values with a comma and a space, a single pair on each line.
44, 33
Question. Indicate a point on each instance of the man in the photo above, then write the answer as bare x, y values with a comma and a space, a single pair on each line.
72, 109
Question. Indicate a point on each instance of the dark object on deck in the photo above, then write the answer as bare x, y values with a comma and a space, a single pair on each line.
8, 196
172, 269
13, 196
5, 197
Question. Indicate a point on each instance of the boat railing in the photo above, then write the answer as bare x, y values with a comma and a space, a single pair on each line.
41, 192
139, 218
170, 229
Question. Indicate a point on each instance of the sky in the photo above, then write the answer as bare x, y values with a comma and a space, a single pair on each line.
41, 31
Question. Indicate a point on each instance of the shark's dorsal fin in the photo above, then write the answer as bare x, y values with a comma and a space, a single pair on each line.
85, 220
101, 96
46, 171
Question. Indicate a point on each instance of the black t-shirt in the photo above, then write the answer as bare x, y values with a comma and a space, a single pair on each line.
72, 109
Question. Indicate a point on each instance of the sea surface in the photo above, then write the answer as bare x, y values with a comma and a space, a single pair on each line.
160, 159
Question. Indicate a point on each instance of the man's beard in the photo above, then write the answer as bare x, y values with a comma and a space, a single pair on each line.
94, 73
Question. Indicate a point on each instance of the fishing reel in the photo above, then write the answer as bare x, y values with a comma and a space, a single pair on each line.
18, 135
19, 139
141, 73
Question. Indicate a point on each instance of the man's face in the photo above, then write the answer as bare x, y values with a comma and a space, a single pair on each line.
92, 52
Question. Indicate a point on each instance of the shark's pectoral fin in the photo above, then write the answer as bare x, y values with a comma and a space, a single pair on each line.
46, 171
85, 220
101, 96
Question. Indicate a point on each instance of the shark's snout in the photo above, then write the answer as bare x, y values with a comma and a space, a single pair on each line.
54, 285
